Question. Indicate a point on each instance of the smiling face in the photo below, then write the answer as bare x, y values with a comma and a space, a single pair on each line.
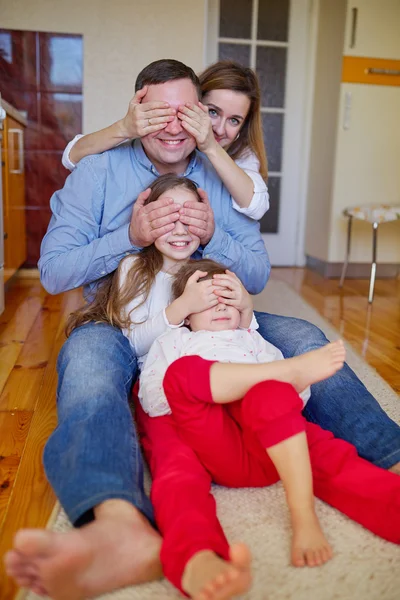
216, 318
228, 111
169, 149
179, 244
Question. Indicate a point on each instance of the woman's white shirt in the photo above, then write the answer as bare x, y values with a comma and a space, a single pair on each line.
259, 204
248, 162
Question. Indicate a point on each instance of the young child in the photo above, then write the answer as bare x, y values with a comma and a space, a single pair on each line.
249, 442
244, 423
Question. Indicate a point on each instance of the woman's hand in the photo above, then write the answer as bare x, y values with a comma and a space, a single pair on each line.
196, 121
142, 119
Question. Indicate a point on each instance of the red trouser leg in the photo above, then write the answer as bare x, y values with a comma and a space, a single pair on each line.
268, 414
184, 508
219, 433
365, 493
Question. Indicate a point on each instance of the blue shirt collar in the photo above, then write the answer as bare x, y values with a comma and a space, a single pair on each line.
144, 160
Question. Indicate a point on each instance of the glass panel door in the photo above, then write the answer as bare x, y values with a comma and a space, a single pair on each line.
270, 36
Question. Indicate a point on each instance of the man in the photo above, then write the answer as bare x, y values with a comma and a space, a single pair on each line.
93, 459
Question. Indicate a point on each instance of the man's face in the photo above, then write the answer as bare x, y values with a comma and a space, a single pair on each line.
170, 148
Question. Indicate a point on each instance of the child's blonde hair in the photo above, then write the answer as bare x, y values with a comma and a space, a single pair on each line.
110, 299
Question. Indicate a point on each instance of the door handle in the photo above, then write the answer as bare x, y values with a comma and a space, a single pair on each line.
353, 30
19, 134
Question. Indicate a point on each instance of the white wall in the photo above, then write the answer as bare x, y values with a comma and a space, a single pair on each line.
120, 38
328, 65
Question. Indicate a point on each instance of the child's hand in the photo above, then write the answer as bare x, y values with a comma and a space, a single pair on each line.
231, 291
198, 295
196, 121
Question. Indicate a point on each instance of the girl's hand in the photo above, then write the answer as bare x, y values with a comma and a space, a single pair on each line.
142, 119
196, 121
232, 292
198, 295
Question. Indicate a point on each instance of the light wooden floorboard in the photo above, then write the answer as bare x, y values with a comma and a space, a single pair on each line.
31, 335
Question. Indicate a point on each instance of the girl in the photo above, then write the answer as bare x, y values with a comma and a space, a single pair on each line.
138, 299
227, 128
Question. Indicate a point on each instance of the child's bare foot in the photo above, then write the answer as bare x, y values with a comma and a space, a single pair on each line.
119, 548
309, 544
316, 365
209, 577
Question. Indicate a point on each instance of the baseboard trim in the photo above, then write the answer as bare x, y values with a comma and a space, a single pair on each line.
354, 270
27, 274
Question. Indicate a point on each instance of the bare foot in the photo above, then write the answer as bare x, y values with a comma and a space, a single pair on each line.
309, 544
209, 577
119, 548
316, 365
395, 468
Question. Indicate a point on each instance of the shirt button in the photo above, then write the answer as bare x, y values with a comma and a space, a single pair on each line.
103, 272
206, 256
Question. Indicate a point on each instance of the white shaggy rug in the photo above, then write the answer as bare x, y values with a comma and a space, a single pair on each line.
364, 567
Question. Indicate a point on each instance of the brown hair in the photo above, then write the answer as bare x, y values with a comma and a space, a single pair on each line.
190, 267
229, 75
166, 69
110, 299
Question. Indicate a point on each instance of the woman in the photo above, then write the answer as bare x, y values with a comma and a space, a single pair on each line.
227, 128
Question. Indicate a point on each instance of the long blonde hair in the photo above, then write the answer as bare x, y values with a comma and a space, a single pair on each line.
229, 75
111, 299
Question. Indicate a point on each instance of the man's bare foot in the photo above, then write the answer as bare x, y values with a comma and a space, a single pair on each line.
395, 468
316, 365
119, 548
309, 544
209, 577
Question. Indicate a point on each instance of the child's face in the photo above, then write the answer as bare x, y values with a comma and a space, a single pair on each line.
216, 318
179, 244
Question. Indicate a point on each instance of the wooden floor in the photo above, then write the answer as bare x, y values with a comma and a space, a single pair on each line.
31, 334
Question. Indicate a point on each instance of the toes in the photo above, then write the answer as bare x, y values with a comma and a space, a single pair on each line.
298, 558
33, 543
240, 556
310, 558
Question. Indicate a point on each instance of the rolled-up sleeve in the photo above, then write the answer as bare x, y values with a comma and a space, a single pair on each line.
260, 201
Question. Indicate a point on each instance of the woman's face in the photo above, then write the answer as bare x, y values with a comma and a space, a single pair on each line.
228, 111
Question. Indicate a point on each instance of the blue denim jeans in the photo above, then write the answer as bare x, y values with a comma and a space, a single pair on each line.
94, 454
341, 404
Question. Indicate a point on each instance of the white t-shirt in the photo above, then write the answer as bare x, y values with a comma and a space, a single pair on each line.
248, 161
233, 346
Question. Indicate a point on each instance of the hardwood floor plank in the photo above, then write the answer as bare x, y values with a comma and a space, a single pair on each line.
32, 499
14, 333
373, 330
23, 383
14, 427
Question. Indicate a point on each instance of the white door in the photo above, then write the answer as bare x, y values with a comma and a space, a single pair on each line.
272, 37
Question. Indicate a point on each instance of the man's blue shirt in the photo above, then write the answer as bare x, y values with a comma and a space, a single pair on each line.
88, 233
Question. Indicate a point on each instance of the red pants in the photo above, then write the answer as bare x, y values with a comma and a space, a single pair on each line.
203, 442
